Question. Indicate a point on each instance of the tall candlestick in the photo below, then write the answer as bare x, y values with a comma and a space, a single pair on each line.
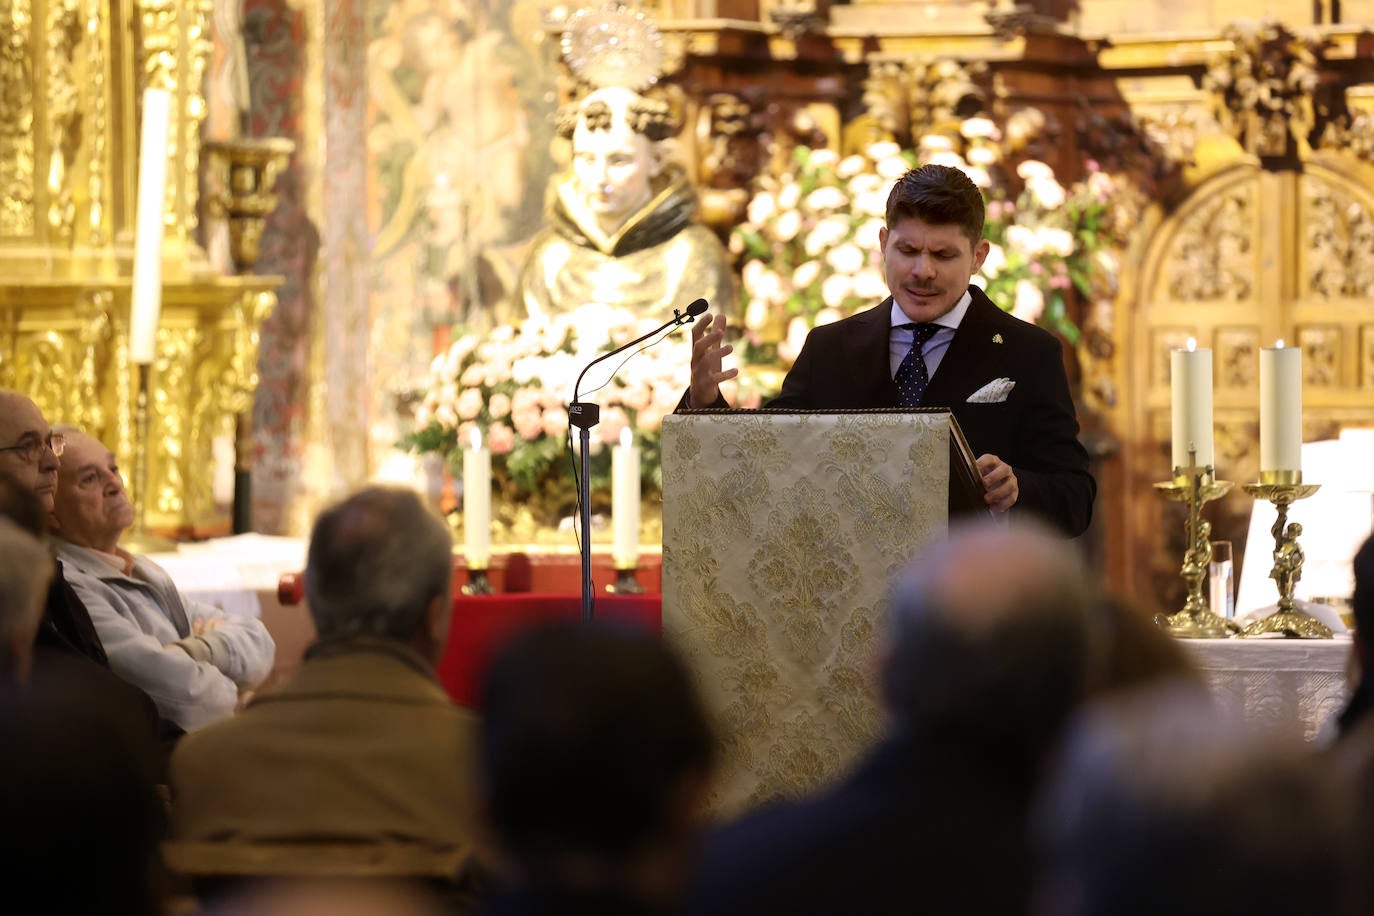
152, 199
625, 502
1280, 373
1191, 377
477, 503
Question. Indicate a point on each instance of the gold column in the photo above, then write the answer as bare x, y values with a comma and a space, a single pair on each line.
74, 71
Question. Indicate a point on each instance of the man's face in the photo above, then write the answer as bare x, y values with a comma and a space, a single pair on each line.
92, 510
928, 266
21, 422
613, 169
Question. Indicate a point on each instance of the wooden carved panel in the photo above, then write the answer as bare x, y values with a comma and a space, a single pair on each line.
1211, 258
1321, 355
1161, 342
1339, 232
1237, 357
1367, 356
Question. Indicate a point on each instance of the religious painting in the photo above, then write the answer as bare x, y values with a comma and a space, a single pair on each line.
460, 102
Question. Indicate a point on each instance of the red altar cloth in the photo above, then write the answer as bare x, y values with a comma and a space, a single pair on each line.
481, 623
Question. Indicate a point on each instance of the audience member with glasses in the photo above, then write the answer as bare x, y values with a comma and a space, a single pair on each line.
67, 646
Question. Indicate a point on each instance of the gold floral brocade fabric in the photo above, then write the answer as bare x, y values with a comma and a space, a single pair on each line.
781, 533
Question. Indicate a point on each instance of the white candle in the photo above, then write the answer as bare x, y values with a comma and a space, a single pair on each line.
1191, 383
148, 224
1280, 373
625, 502
477, 503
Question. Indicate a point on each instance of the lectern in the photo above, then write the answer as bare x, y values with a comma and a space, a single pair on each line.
781, 532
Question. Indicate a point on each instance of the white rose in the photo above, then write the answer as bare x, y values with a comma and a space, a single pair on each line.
751, 273
995, 261
978, 176
871, 203
827, 316
1058, 241
862, 184
1034, 170
953, 160
847, 258
979, 127
761, 207
824, 158
789, 195
805, 274
828, 232
789, 347
892, 168
883, 149
866, 236
850, 166
756, 314
769, 287
787, 226
826, 198
935, 143
870, 284
836, 289
1023, 240
982, 156
1030, 302
1048, 192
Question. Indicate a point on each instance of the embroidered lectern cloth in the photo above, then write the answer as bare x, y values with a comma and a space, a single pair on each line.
781, 532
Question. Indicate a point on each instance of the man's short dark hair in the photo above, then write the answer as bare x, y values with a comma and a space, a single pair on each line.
588, 732
375, 563
939, 195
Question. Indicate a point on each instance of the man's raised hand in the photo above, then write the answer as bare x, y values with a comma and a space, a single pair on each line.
708, 348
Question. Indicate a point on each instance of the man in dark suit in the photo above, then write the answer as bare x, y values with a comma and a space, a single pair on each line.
939, 341
979, 672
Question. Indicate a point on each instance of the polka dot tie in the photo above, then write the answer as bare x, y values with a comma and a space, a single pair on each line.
912, 377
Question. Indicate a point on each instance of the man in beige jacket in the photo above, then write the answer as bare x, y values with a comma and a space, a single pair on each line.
359, 766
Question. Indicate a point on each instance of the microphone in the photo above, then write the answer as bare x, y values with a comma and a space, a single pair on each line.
585, 416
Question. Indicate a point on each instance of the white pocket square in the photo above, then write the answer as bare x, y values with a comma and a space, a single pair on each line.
994, 392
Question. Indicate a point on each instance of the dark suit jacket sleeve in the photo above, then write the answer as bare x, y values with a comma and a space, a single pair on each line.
1051, 465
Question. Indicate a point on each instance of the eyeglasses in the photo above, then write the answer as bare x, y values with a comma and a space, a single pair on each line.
32, 449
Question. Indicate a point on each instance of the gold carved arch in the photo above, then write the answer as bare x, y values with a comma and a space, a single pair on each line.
1248, 257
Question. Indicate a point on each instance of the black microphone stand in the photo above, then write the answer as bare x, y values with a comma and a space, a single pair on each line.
584, 417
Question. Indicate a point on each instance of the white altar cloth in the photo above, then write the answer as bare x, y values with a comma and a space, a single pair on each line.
1290, 686
233, 573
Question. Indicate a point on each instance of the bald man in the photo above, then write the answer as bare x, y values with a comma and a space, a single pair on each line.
979, 672
190, 657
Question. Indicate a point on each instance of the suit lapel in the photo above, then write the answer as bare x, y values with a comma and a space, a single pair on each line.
961, 368
872, 378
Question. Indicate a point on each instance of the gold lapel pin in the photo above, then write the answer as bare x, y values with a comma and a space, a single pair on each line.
997, 338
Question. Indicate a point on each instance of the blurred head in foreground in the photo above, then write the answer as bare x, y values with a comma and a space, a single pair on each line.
596, 757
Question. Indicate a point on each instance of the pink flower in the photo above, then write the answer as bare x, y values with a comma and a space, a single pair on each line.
469, 403
501, 439
528, 422
613, 420
555, 422
499, 405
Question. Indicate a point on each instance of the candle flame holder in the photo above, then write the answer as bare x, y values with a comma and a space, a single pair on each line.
1195, 485
1288, 559
479, 583
625, 582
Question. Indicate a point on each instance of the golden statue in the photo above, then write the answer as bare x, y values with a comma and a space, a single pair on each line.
622, 219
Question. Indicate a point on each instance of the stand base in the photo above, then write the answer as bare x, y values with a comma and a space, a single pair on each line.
1292, 624
478, 583
625, 583
1201, 624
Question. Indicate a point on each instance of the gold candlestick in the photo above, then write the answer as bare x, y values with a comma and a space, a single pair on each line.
1194, 484
1288, 559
